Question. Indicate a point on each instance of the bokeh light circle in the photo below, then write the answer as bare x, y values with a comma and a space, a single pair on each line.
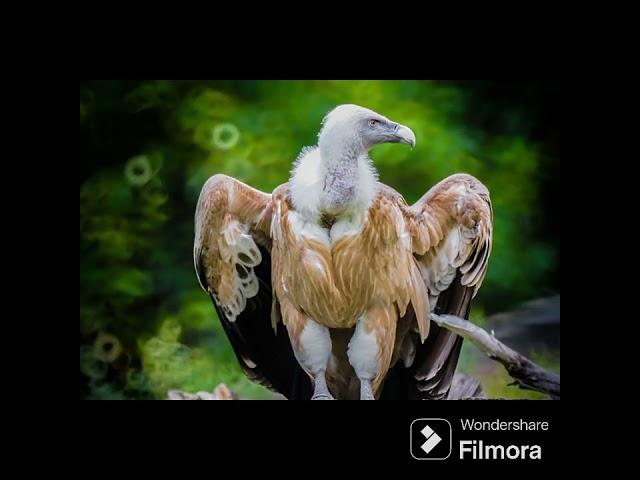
107, 347
225, 136
138, 171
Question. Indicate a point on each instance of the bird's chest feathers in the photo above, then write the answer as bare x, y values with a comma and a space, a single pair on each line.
327, 229
337, 267
329, 267
326, 245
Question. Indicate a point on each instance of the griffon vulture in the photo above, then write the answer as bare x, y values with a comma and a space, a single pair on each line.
346, 266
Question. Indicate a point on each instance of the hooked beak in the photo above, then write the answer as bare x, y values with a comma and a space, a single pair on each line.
404, 134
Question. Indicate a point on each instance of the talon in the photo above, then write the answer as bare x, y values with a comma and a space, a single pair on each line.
322, 396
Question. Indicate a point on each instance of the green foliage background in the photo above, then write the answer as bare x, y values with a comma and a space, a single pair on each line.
147, 147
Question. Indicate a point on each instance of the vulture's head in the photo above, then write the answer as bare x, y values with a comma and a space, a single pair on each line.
352, 126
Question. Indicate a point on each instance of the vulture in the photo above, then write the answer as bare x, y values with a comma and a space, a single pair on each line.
325, 286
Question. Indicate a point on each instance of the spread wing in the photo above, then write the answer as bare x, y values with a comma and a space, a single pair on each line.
451, 233
232, 258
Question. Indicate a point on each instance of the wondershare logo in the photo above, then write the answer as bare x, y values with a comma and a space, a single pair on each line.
430, 439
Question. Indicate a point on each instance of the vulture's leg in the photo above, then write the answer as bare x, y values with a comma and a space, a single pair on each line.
370, 349
312, 347
321, 391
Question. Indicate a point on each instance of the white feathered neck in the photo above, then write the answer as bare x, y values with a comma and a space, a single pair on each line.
318, 184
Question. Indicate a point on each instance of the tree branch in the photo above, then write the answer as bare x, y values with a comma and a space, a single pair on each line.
526, 374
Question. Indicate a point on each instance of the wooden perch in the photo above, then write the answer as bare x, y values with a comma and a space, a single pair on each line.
526, 373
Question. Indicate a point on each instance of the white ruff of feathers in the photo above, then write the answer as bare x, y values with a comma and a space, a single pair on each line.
335, 177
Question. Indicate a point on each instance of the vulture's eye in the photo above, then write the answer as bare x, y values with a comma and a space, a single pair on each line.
373, 122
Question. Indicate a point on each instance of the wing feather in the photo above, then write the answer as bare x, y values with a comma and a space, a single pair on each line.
458, 215
232, 257
451, 237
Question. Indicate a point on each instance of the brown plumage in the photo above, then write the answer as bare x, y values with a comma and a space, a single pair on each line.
357, 278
